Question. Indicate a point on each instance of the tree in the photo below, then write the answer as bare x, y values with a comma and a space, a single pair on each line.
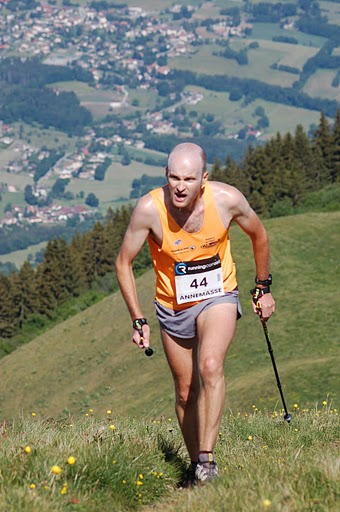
25, 293
92, 200
335, 156
322, 148
8, 324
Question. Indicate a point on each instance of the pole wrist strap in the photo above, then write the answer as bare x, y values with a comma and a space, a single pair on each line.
138, 324
257, 293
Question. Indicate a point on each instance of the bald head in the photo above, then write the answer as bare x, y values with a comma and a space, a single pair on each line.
188, 153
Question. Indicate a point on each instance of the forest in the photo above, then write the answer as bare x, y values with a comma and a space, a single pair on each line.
276, 178
25, 95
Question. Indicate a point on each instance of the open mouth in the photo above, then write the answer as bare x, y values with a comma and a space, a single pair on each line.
180, 196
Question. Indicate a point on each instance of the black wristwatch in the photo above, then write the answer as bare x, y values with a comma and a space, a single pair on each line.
265, 282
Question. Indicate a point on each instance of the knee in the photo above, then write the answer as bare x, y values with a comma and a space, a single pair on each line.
211, 370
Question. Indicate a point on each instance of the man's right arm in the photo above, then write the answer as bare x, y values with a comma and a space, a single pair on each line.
134, 239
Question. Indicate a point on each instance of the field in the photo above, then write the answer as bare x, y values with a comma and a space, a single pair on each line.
258, 68
270, 30
97, 101
18, 258
235, 115
117, 183
149, 5
93, 358
331, 10
320, 84
105, 462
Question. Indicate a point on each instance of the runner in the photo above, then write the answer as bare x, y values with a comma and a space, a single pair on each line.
186, 224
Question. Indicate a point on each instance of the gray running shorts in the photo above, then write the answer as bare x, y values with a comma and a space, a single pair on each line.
182, 324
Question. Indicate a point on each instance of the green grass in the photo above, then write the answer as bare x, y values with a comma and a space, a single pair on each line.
117, 183
88, 360
270, 30
235, 115
19, 257
258, 68
125, 464
320, 85
97, 101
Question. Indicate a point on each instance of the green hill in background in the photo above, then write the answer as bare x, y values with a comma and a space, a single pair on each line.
89, 361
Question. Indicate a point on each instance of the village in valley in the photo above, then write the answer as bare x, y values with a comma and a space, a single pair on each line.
124, 51
60, 35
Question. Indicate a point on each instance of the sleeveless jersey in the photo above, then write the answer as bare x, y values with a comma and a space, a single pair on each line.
178, 246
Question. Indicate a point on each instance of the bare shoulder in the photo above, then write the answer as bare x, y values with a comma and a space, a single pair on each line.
144, 213
228, 197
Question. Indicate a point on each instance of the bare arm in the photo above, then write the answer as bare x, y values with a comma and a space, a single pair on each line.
135, 236
250, 223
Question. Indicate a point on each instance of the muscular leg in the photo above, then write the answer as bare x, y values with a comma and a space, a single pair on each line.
182, 358
216, 328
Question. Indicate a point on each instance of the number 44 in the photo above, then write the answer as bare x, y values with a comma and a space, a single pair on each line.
195, 284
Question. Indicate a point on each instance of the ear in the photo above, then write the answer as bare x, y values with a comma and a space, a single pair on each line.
205, 178
166, 171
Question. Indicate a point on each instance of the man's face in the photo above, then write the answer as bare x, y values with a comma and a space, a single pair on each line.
185, 183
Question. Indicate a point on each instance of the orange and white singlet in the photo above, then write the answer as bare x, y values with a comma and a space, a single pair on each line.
191, 267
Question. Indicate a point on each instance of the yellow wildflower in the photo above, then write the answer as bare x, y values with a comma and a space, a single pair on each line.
266, 503
27, 449
32, 486
71, 460
56, 469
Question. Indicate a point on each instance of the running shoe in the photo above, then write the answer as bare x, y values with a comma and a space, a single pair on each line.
206, 468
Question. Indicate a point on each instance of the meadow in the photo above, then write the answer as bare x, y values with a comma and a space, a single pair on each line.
88, 360
320, 85
105, 462
87, 421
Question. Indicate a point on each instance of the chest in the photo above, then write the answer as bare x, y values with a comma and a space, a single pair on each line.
190, 223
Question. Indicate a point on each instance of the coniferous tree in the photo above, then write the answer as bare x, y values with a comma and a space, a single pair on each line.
8, 324
217, 173
335, 157
322, 147
77, 248
303, 154
24, 292
93, 261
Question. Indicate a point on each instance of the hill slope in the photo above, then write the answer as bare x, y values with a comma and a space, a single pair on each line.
89, 362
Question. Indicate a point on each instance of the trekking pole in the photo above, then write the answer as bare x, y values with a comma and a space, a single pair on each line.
287, 417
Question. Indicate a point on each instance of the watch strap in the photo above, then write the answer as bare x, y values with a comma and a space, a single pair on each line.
264, 282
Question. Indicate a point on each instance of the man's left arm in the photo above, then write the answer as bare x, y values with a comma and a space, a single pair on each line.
250, 223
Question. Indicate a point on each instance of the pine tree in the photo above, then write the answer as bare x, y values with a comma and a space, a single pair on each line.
322, 149
216, 173
24, 292
8, 320
303, 154
335, 157
93, 260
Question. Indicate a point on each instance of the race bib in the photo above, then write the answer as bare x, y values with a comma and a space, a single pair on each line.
198, 280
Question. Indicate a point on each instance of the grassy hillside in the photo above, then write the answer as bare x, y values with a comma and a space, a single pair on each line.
111, 464
89, 361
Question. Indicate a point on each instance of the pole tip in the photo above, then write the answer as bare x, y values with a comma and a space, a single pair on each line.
148, 351
288, 418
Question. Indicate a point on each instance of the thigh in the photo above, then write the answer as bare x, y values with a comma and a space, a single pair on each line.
215, 329
181, 354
